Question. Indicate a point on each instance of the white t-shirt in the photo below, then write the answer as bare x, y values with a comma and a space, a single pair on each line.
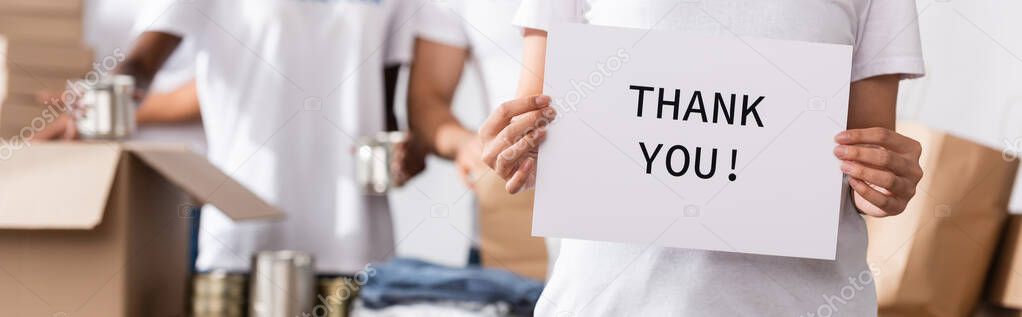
612, 279
286, 87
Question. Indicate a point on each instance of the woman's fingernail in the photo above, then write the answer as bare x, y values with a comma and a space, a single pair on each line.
846, 167
542, 100
841, 137
840, 150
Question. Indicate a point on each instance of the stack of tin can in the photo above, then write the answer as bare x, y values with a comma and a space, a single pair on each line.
336, 295
219, 294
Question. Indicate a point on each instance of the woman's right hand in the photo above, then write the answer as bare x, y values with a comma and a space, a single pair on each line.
511, 137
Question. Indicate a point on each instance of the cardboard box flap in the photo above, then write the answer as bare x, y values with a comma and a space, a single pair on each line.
208, 184
56, 185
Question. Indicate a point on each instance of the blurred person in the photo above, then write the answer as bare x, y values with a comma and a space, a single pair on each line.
451, 35
286, 88
882, 167
170, 112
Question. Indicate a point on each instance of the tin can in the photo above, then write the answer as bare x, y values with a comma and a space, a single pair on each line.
219, 294
374, 159
335, 296
106, 109
282, 284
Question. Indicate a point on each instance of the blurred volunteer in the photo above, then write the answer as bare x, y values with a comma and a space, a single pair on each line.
450, 35
286, 88
171, 110
612, 279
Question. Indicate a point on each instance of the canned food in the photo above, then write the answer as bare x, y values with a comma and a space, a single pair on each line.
219, 294
374, 157
106, 109
335, 296
282, 284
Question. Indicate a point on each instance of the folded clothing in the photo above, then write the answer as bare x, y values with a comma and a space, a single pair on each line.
438, 309
408, 281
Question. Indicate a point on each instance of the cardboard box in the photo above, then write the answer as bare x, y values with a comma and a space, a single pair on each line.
19, 98
14, 117
36, 7
49, 29
989, 310
1005, 284
3, 70
101, 229
27, 91
933, 259
30, 85
505, 229
42, 59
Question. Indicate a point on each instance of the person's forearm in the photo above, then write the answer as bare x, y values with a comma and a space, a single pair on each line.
434, 77
530, 82
178, 106
873, 103
151, 50
433, 122
882, 166
450, 137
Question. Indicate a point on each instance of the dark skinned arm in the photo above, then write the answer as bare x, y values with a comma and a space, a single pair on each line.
151, 50
436, 72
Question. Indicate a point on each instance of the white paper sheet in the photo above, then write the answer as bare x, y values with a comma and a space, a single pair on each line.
592, 181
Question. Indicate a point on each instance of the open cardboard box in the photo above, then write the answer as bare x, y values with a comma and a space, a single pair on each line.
101, 229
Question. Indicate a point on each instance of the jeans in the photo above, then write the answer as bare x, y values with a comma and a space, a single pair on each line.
406, 281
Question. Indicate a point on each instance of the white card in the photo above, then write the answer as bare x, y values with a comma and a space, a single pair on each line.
785, 197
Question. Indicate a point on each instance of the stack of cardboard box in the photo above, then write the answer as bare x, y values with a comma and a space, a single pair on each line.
3, 70
45, 48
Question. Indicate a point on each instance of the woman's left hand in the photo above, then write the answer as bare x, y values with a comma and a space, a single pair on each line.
883, 169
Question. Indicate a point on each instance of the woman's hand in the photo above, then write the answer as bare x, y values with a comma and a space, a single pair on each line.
511, 137
883, 169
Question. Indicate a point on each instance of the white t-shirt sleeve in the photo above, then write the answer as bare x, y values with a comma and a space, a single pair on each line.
180, 18
539, 14
401, 31
179, 69
443, 22
888, 41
